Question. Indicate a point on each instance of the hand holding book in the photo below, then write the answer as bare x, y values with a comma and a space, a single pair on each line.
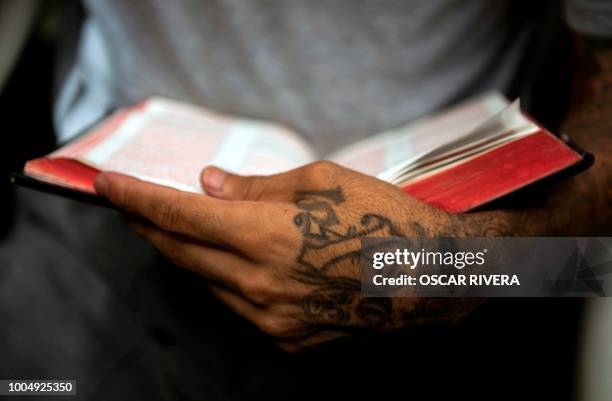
283, 250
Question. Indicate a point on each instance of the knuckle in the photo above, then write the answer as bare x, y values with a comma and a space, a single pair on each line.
290, 348
221, 225
322, 169
166, 214
173, 254
258, 287
272, 325
273, 243
120, 195
205, 220
251, 188
278, 246
325, 167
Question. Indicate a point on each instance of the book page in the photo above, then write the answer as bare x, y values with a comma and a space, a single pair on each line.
168, 143
503, 127
381, 152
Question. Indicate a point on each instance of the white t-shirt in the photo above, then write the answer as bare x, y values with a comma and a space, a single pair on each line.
334, 70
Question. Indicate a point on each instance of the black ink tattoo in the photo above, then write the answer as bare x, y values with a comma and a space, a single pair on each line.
328, 243
375, 312
329, 304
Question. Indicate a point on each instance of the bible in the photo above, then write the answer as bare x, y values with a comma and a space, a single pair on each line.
458, 159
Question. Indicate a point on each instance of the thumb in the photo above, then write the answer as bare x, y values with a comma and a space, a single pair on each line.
224, 185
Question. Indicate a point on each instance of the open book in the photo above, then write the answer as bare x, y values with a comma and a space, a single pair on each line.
456, 160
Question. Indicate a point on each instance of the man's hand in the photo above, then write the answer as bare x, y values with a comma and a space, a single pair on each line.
283, 251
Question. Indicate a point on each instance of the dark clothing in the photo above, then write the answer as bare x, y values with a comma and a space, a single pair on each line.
84, 298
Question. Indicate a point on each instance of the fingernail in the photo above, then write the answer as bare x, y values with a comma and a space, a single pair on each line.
213, 179
101, 184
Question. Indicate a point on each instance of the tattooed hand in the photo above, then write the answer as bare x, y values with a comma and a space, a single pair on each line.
283, 251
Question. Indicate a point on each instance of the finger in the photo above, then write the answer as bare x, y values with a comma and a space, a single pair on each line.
181, 212
224, 185
237, 303
296, 345
279, 187
276, 325
217, 265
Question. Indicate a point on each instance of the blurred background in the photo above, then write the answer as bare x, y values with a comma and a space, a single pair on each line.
577, 340
29, 30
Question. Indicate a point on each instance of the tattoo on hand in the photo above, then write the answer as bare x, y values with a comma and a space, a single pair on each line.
327, 242
329, 245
